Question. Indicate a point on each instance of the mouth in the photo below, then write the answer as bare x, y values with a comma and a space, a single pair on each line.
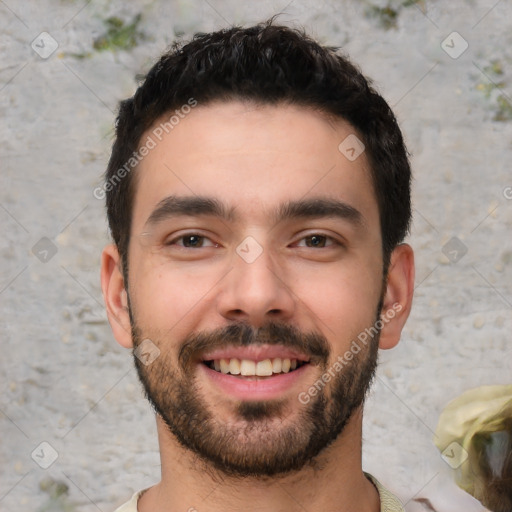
257, 372
254, 368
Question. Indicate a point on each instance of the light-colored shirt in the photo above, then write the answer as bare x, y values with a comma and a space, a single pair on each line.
388, 501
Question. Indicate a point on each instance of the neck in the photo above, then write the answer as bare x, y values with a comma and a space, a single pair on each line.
335, 483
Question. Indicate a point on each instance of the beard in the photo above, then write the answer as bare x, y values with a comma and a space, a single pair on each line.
260, 442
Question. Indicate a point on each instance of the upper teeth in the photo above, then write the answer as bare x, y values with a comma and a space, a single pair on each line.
249, 367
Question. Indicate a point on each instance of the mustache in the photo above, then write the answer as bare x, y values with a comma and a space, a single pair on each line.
312, 344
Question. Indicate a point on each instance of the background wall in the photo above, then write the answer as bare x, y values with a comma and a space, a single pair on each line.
66, 383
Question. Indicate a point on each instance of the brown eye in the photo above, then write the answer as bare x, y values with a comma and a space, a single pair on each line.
191, 241
319, 241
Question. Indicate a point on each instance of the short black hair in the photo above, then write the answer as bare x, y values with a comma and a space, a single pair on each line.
268, 64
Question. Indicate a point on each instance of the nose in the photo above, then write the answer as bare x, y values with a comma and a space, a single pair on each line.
256, 291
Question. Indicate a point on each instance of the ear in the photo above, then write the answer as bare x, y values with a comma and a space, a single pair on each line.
115, 296
398, 297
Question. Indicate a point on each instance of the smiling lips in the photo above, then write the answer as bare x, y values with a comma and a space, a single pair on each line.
259, 361
255, 372
248, 367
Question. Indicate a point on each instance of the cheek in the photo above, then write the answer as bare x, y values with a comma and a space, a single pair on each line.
343, 303
169, 298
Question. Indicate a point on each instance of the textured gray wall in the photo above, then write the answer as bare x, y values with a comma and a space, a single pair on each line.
64, 379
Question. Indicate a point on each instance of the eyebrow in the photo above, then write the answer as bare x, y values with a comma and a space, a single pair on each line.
315, 208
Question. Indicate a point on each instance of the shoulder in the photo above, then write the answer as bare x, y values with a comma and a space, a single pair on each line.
130, 506
388, 501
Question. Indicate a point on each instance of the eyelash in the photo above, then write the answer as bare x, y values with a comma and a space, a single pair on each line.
186, 235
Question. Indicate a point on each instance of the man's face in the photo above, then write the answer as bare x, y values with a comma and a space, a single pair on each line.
282, 278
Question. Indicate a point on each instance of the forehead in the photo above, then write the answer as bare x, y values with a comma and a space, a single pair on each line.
252, 158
